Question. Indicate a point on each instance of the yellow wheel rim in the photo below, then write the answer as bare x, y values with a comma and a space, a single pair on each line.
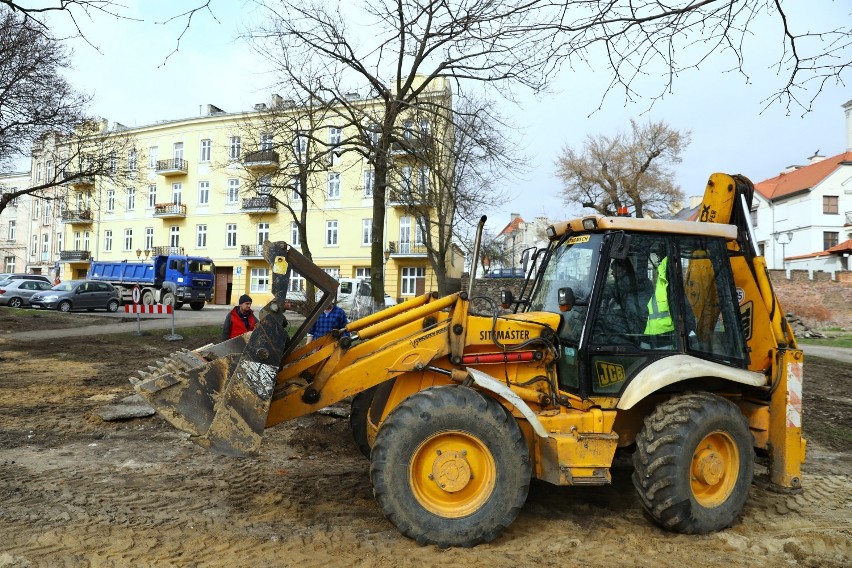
715, 469
452, 474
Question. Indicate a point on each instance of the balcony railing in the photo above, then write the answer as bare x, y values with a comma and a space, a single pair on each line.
83, 216
169, 210
406, 198
74, 255
261, 159
260, 204
406, 248
173, 167
75, 179
416, 146
251, 251
165, 251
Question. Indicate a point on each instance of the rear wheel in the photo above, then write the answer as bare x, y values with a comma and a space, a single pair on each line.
16, 303
112, 305
196, 305
694, 463
358, 413
450, 467
147, 298
167, 299
64, 306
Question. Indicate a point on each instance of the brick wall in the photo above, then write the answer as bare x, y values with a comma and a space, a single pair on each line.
820, 302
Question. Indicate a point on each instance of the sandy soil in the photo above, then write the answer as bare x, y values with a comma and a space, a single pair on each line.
77, 491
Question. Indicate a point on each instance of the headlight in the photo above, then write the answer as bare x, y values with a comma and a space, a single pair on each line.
50, 297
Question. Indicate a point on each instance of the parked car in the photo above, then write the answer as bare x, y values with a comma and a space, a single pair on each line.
17, 293
21, 276
78, 295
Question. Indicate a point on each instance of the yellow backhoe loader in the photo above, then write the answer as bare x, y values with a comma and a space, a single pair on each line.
656, 337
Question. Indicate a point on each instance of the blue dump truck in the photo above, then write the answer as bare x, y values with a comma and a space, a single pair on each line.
173, 280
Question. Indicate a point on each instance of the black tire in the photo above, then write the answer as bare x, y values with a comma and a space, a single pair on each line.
196, 305
64, 306
147, 298
15, 302
178, 305
694, 463
112, 305
358, 413
470, 443
167, 299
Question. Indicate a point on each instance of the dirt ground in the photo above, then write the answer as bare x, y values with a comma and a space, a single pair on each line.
78, 491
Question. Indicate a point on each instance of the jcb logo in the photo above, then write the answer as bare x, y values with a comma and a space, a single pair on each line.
747, 315
609, 373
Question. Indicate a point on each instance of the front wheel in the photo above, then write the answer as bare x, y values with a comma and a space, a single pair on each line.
358, 414
450, 467
694, 463
16, 303
112, 306
196, 305
167, 299
64, 306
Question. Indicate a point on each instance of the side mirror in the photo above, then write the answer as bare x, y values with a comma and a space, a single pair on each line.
565, 299
506, 299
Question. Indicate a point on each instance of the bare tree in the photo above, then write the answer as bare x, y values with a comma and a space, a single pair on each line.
629, 170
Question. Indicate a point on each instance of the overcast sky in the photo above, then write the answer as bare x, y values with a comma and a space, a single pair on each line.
732, 130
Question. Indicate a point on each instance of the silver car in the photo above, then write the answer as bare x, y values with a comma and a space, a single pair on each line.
17, 293
78, 295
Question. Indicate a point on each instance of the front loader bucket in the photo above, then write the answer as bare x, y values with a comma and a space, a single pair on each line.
221, 394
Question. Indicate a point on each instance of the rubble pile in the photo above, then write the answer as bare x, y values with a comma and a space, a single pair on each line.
801, 329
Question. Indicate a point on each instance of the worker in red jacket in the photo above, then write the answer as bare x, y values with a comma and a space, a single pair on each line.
239, 320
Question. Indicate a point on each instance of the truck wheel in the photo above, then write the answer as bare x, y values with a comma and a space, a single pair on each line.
694, 463
64, 306
16, 303
196, 305
450, 467
147, 298
112, 306
167, 299
358, 419
178, 305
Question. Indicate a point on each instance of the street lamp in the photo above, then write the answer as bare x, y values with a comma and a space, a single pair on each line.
784, 243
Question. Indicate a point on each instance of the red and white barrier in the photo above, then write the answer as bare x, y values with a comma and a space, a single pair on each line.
142, 309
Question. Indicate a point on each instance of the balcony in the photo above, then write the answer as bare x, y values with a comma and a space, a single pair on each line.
170, 210
261, 160
80, 217
173, 167
406, 198
259, 204
415, 147
251, 251
402, 248
75, 255
166, 251
77, 180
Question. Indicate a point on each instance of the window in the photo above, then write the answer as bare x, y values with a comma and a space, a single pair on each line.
829, 239
174, 236
266, 141
37, 207
425, 128
206, 146
333, 185
362, 272
131, 198
366, 232
112, 162
294, 234
753, 214
48, 213
107, 240
131, 160
152, 196
149, 238
233, 191
177, 191
77, 240
45, 243
331, 233
259, 281
333, 272
110, 201
262, 233
300, 144
334, 135
408, 129
369, 182
297, 189
231, 235
201, 236
234, 148
423, 179
177, 152
405, 235
264, 185
86, 236
405, 180
128, 239
153, 156
297, 282
38, 173
412, 280
204, 193
829, 204
9, 263
58, 242
12, 233
50, 171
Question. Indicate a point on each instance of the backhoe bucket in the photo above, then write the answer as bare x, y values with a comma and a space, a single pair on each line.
221, 394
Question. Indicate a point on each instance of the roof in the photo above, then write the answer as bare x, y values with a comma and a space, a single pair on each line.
802, 179
511, 227
845, 246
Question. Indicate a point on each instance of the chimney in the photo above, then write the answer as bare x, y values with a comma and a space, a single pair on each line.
260, 106
277, 101
514, 216
848, 108
213, 109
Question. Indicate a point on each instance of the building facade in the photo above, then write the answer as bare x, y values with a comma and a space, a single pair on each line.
218, 186
15, 225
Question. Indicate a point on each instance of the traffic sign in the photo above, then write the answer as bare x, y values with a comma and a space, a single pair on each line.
137, 295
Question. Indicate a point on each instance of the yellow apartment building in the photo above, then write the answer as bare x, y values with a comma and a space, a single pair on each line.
199, 186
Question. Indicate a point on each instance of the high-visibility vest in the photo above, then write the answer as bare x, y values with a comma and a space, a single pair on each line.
659, 316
